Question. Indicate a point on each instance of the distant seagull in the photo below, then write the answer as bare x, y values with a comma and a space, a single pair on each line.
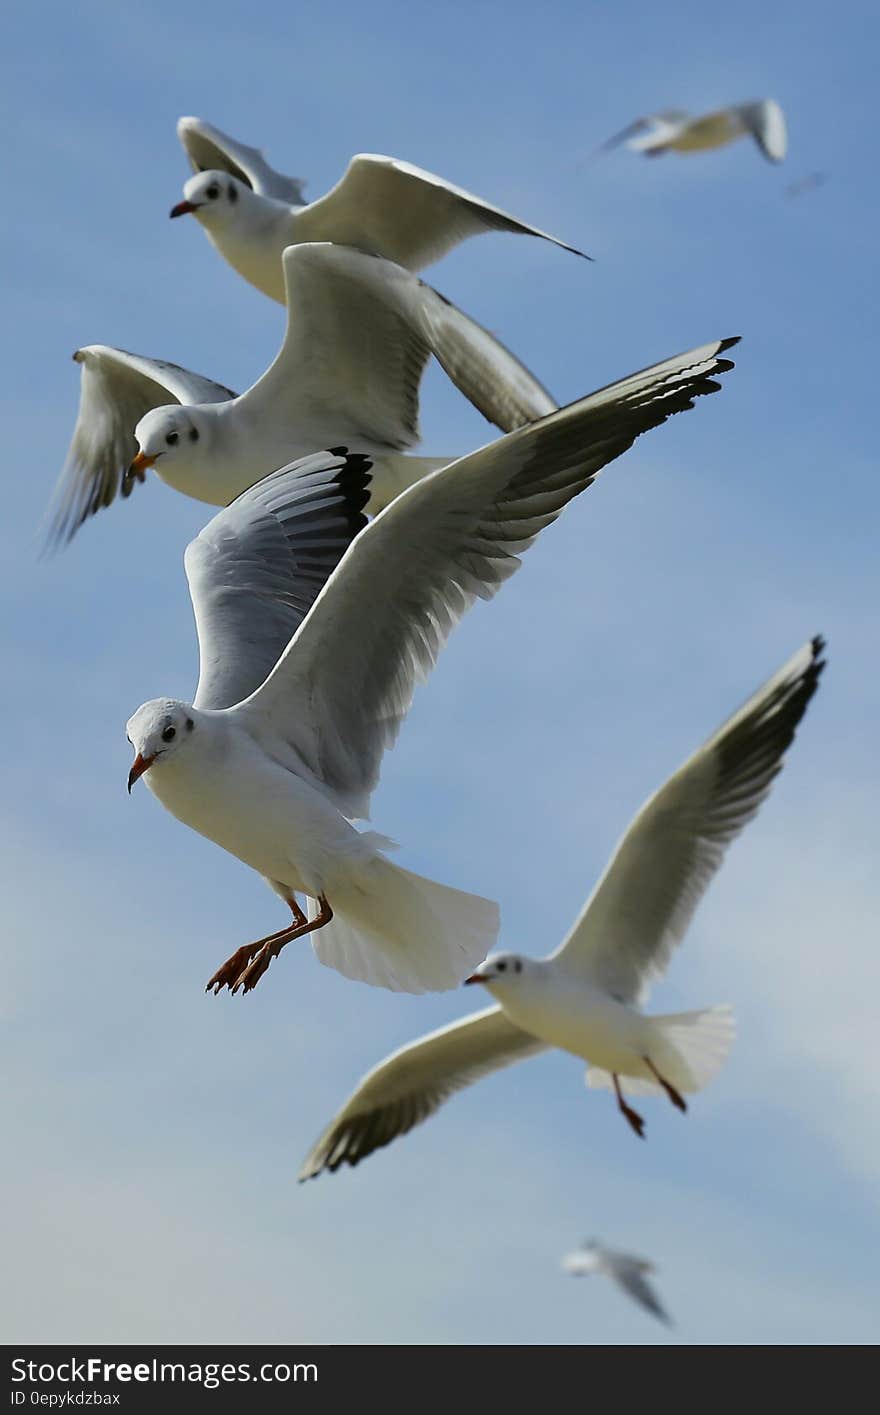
585, 998
250, 213
359, 334
806, 184
305, 680
624, 1269
674, 131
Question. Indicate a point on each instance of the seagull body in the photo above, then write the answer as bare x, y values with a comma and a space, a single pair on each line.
382, 206
625, 1270
359, 334
674, 131
314, 630
586, 998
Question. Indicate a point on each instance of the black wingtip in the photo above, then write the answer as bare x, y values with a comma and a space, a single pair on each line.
729, 343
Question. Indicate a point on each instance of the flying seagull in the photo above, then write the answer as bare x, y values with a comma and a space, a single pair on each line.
674, 131
586, 997
250, 213
624, 1269
359, 334
313, 634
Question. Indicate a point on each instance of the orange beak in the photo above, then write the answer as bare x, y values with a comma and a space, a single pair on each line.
138, 767
183, 208
139, 465
474, 978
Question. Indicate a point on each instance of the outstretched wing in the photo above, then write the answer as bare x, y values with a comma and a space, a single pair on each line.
629, 1275
381, 620
766, 122
399, 211
116, 389
642, 906
210, 150
413, 1082
257, 567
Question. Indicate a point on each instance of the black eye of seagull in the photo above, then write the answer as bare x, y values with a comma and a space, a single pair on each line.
501, 967
168, 734
172, 437
213, 191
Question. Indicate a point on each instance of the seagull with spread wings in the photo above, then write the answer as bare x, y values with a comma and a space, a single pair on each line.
383, 206
586, 997
360, 332
675, 131
625, 1270
314, 632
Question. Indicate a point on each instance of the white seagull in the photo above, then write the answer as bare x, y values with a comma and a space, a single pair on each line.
359, 334
304, 684
586, 997
624, 1269
250, 213
674, 131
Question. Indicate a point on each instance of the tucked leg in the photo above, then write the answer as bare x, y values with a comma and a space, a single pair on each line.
232, 969
632, 1116
254, 971
675, 1096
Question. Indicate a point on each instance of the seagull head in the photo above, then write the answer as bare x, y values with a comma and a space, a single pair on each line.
158, 730
502, 970
216, 199
172, 433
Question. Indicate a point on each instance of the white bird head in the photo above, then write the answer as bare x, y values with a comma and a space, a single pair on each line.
158, 729
171, 433
216, 199
501, 971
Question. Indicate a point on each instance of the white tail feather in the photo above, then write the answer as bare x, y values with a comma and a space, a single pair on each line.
689, 1050
397, 930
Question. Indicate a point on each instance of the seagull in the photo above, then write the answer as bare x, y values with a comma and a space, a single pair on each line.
314, 631
624, 1269
360, 331
674, 131
586, 997
250, 213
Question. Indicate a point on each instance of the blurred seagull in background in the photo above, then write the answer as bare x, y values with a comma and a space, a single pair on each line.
674, 131
314, 631
385, 207
360, 332
586, 997
624, 1269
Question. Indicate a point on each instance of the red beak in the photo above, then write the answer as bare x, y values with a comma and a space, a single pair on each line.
183, 208
474, 978
139, 466
138, 767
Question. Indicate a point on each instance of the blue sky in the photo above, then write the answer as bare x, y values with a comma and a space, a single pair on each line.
155, 1132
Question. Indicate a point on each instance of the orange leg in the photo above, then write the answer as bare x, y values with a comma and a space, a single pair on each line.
227, 974
633, 1117
254, 971
675, 1096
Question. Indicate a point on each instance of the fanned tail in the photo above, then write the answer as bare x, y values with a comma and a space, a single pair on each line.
689, 1051
398, 930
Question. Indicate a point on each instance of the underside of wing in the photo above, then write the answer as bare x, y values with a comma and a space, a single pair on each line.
643, 904
354, 352
766, 122
404, 213
414, 1082
257, 567
210, 150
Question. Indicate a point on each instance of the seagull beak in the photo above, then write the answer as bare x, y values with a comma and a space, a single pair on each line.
183, 208
475, 978
138, 767
139, 466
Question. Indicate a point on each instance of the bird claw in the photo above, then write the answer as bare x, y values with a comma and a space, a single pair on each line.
230, 973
